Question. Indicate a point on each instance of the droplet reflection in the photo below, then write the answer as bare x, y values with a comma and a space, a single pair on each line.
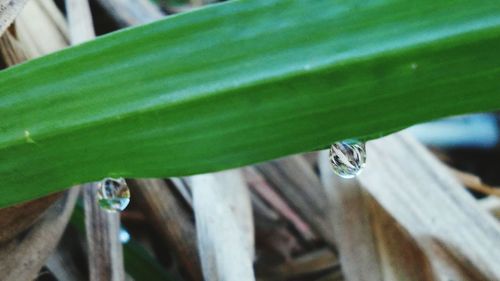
113, 194
348, 158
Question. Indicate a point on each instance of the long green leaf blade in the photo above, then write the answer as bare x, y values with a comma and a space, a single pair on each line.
239, 83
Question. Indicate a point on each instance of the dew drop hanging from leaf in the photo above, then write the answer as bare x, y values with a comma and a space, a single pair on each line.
113, 194
348, 158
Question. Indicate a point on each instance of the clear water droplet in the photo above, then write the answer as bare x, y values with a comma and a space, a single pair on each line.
348, 158
113, 194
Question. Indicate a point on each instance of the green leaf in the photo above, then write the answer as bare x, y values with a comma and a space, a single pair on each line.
241, 82
141, 265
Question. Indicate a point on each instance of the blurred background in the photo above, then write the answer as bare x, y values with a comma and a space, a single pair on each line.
303, 224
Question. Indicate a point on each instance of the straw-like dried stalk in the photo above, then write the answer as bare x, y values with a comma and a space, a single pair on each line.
224, 226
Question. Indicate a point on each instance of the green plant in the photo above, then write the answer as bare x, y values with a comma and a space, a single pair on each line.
238, 83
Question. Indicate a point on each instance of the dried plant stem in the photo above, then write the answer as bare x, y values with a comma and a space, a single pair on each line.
290, 176
444, 221
224, 226
80, 21
134, 12
11, 49
174, 224
22, 258
353, 230
9, 9
102, 230
475, 183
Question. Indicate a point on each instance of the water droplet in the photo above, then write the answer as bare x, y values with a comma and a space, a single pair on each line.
348, 158
113, 194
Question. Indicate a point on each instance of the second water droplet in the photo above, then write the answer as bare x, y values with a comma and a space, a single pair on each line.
348, 158
113, 194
